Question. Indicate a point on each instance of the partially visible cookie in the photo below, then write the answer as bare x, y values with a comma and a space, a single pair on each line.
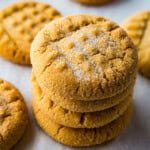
13, 115
93, 2
80, 120
19, 23
138, 28
83, 57
80, 106
82, 137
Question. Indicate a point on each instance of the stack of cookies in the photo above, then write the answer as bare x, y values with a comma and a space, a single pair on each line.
84, 70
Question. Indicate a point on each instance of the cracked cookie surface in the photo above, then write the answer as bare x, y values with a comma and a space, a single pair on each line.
13, 115
93, 2
19, 23
138, 28
83, 57
82, 137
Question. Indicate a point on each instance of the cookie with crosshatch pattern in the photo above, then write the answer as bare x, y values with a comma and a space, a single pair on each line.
138, 28
13, 115
83, 57
19, 23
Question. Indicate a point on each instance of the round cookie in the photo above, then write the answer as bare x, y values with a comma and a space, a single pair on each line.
83, 57
13, 115
19, 23
82, 137
138, 28
93, 2
82, 106
80, 120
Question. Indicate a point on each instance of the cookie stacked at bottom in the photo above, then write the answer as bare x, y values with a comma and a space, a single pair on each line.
83, 77
82, 128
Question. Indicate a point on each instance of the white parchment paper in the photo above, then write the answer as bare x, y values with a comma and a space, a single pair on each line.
137, 134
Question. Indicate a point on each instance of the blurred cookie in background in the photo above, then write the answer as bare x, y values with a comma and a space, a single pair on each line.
138, 28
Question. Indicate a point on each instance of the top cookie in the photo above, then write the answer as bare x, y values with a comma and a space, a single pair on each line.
19, 23
138, 28
83, 57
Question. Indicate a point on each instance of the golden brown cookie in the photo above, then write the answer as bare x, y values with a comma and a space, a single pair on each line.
82, 106
138, 28
19, 23
83, 57
93, 2
82, 137
13, 115
80, 120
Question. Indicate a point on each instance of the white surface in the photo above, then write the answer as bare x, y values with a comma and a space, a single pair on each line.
137, 135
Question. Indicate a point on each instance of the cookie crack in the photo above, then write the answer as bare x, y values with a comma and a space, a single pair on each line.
45, 68
6, 116
58, 130
2, 138
95, 135
82, 119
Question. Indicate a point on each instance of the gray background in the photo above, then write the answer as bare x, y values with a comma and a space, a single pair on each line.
137, 134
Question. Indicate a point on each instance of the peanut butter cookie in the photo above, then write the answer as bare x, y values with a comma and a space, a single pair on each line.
81, 106
82, 137
138, 28
93, 2
13, 115
80, 120
19, 23
83, 57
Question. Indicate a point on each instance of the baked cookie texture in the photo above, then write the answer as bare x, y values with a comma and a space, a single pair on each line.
93, 2
75, 119
138, 28
83, 57
78, 105
19, 23
81, 120
13, 115
82, 137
